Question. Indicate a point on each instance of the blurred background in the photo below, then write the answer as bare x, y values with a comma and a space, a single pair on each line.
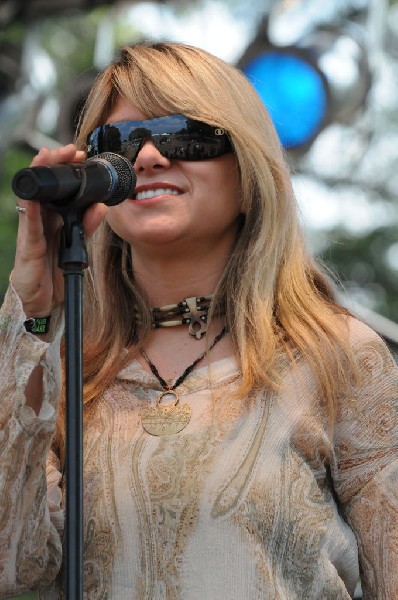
327, 71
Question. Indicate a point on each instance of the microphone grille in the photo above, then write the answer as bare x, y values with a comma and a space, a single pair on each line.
126, 177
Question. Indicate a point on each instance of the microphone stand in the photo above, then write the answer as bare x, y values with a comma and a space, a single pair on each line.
73, 259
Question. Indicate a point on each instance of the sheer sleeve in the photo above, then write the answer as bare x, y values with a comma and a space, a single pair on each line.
30, 525
365, 471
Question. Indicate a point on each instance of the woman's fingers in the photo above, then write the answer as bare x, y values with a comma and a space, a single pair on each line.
93, 217
36, 276
62, 154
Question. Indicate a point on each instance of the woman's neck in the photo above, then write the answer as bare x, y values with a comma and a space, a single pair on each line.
171, 280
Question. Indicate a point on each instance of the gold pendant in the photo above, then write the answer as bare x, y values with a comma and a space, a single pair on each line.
166, 419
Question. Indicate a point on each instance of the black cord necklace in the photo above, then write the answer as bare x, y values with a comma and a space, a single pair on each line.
167, 419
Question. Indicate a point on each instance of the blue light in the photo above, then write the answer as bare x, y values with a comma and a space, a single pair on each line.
293, 92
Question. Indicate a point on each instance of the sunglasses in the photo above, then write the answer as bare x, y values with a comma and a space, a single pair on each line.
175, 136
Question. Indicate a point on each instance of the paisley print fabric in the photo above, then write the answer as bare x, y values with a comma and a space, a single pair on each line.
254, 499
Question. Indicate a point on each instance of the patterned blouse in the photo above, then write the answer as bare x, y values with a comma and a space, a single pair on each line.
254, 500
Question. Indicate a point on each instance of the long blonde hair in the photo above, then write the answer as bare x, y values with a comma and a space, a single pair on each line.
278, 300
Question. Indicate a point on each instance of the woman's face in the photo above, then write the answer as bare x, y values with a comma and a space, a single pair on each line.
176, 202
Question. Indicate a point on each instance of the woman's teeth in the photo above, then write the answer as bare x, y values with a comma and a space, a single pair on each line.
153, 193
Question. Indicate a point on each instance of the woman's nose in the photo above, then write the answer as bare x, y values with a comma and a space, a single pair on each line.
149, 158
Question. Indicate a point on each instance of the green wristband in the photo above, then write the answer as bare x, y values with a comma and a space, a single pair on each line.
37, 325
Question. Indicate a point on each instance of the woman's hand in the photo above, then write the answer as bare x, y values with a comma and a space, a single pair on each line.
36, 276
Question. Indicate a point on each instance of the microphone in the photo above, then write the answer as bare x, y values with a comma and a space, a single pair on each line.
108, 178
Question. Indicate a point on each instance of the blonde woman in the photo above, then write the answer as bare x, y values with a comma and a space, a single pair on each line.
241, 429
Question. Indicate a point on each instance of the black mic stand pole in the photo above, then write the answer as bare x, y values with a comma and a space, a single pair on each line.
73, 259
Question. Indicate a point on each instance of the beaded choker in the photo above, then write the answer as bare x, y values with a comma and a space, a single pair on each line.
190, 311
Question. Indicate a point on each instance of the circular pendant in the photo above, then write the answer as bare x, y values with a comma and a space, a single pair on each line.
166, 419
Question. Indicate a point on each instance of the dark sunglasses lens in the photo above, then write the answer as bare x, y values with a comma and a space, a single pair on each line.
175, 136
110, 138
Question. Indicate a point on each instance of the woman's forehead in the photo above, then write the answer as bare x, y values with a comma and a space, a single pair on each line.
123, 110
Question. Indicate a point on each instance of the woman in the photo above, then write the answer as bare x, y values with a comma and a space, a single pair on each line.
248, 451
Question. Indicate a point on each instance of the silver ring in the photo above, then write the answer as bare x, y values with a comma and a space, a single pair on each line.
20, 209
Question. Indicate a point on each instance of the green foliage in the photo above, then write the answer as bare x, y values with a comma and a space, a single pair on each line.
14, 33
69, 40
363, 265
